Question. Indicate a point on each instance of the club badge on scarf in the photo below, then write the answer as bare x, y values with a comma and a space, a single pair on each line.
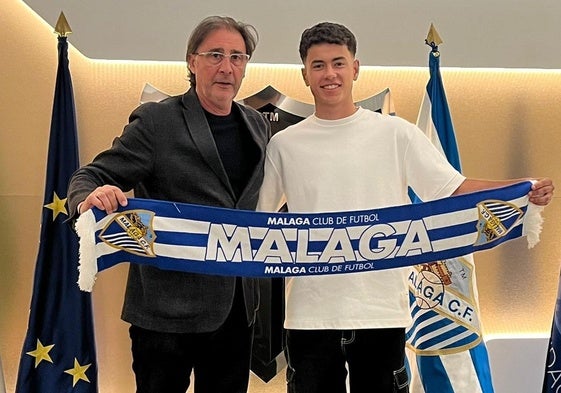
210, 240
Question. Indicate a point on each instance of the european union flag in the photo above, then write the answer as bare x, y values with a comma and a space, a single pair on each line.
58, 354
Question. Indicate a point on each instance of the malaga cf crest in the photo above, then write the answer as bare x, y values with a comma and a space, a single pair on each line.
131, 231
496, 219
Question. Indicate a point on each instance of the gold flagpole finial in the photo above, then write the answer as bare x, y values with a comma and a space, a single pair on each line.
433, 40
62, 27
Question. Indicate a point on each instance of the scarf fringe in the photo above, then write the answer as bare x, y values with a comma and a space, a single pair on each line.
85, 226
533, 224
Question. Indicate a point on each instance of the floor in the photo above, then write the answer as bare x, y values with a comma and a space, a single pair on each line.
256, 385
275, 385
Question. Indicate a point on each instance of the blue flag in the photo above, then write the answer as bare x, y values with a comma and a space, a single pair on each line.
58, 354
552, 380
447, 352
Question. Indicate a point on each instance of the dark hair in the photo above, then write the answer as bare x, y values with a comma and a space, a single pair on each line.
212, 23
326, 33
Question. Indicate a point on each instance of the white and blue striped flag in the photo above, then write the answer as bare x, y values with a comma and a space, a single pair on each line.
446, 351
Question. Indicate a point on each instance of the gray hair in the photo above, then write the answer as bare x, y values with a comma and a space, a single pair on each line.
212, 23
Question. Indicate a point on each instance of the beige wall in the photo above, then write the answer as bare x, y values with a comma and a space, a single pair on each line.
506, 124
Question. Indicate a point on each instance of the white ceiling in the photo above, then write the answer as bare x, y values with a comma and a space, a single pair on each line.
476, 33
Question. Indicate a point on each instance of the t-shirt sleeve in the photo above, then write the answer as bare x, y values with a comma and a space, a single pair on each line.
429, 174
271, 195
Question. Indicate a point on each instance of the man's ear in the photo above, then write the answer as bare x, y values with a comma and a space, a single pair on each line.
190, 60
303, 70
356, 66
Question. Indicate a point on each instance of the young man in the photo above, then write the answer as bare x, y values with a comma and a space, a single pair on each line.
346, 158
198, 148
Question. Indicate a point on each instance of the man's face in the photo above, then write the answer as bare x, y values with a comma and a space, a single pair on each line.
218, 84
329, 71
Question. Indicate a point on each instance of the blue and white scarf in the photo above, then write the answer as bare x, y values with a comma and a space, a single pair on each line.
219, 241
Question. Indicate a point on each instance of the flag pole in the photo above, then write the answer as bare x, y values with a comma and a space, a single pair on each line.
62, 28
433, 40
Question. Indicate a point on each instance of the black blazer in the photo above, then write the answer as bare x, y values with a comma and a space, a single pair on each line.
167, 152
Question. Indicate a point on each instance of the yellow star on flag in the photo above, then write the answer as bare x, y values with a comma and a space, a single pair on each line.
78, 372
57, 206
41, 353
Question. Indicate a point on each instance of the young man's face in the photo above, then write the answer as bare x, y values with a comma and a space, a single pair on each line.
329, 71
218, 84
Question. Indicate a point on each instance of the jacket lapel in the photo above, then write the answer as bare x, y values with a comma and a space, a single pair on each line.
197, 126
257, 175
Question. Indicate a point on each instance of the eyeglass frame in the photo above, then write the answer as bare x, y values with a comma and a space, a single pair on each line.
210, 56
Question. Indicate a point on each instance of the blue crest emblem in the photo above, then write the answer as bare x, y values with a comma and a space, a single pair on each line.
131, 231
496, 219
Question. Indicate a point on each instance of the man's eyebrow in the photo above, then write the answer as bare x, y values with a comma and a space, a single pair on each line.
221, 50
334, 59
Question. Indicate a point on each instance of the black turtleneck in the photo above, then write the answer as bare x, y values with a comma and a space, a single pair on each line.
238, 151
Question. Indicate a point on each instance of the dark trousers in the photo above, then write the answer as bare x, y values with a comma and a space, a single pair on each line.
163, 362
375, 360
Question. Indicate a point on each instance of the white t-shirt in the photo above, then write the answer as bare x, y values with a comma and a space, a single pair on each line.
364, 161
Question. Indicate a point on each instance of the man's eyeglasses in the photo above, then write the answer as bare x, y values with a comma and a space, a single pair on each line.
215, 58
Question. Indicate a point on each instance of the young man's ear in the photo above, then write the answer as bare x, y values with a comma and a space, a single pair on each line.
356, 66
303, 70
